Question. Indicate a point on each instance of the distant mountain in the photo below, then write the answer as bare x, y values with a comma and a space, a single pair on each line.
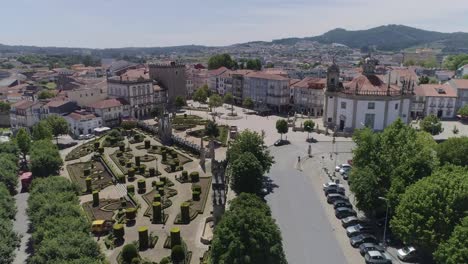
390, 38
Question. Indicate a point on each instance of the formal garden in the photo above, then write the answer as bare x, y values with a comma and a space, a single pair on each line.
90, 176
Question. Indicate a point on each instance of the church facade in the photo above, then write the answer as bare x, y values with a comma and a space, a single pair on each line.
365, 101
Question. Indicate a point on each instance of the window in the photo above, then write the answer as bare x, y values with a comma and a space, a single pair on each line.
343, 105
396, 106
369, 121
371, 105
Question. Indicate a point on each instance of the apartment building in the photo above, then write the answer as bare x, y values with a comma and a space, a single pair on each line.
308, 96
268, 91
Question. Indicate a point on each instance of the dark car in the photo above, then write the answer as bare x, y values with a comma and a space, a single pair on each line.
366, 247
335, 196
334, 190
342, 203
281, 142
342, 212
377, 257
358, 229
356, 241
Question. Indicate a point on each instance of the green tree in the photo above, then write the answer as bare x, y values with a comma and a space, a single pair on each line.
282, 127
179, 101
8, 237
246, 174
215, 101
465, 77
250, 141
463, 111
129, 252
128, 124
454, 250
9, 170
309, 127
431, 124
201, 94
177, 254
221, 60
41, 131
254, 64
4, 107
58, 125
453, 62
247, 234
211, 129
454, 150
45, 159
248, 103
423, 79
46, 95
23, 140
431, 208
269, 65
229, 99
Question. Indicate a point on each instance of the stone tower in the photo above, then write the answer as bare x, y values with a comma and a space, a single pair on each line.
219, 185
333, 78
368, 66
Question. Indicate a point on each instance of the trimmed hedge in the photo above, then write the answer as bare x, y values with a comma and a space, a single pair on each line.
194, 176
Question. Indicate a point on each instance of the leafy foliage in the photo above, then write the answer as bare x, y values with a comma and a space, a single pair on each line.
215, 101
179, 101
23, 140
463, 111
453, 62
431, 208
211, 129
250, 141
221, 60
46, 94
248, 103
254, 64
247, 234
228, 98
9, 170
246, 174
60, 232
129, 252
201, 94
454, 250
45, 159
282, 127
431, 124
454, 151
385, 163
41, 131
58, 125
4, 107
8, 237
309, 127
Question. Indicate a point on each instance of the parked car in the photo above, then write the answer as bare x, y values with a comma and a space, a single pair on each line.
358, 229
280, 142
336, 196
89, 136
377, 257
331, 190
341, 166
350, 221
342, 203
345, 170
342, 212
345, 175
330, 184
356, 241
81, 137
407, 253
366, 247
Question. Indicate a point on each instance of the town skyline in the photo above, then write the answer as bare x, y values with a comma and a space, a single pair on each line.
112, 24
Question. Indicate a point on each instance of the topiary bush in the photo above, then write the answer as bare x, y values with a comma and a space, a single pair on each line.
142, 170
175, 237
196, 188
137, 161
157, 212
88, 185
185, 212
141, 186
147, 144
131, 189
194, 176
152, 172
131, 174
95, 198
184, 175
118, 230
195, 196
122, 148
143, 237
130, 213
157, 198
129, 252
177, 254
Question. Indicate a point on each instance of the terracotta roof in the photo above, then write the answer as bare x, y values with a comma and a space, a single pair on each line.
435, 90
263, 75
56, 103
311, 83
135, 74
460, 83
78, 116
369, 83
24, 104
217, 71
293, 81
107, 103
242, 72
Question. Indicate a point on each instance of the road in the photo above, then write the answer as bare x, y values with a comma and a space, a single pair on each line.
308, 236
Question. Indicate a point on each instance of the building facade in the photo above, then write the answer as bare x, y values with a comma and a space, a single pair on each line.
440, 100
82, 122
461, 88
171, 77
308, 96
26, 114
87, 95
268, 91
111, 110
366, 101
214, 79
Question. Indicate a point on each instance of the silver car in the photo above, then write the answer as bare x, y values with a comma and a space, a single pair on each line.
377, 257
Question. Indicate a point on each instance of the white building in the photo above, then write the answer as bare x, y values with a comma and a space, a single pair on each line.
440, 100
87, 95
26, 114
267, 90
111, 110
215, 82
366, 101
82, 123
461, 88
308, 96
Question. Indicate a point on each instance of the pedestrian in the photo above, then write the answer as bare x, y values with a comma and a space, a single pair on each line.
298, 158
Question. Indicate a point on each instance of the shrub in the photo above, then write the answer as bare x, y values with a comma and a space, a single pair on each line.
130, 213
177, 254
152, 172
137, 161
176, 162
141, 184
118, 231
142, 170
129, 252
131, 173
147, 144
195, 196
185, 212
184, 175
175, 237
97, 144
119, 153
101, 150
194, 176
131, 189
87, 172
143, 237
165, 260
196, 188
129, 164
95, 198
122, 148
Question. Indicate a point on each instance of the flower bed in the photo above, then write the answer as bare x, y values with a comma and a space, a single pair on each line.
100, 177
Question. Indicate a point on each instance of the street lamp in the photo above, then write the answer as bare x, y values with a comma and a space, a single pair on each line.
386, 219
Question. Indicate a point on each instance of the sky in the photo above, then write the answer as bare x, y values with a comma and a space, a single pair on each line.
154, 23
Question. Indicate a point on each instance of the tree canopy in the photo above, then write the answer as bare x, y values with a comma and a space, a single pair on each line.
282, 127
463, 111
8, 237
221, 60
309, 127
431, 208
211, 129
45, 159
454, 150
431, 124
58, 125
454, 250
215, 101
201, 94
41, 130
248, 103
254, 64
179, 101
23, 140
9, 170
250, 141
453, 62
46, 94
385, 163
247, 234
228, 98
246, 174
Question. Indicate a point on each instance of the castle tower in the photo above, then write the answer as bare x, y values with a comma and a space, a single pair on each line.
333, 78
368, 67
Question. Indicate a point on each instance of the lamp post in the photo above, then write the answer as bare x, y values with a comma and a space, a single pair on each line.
386, 219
